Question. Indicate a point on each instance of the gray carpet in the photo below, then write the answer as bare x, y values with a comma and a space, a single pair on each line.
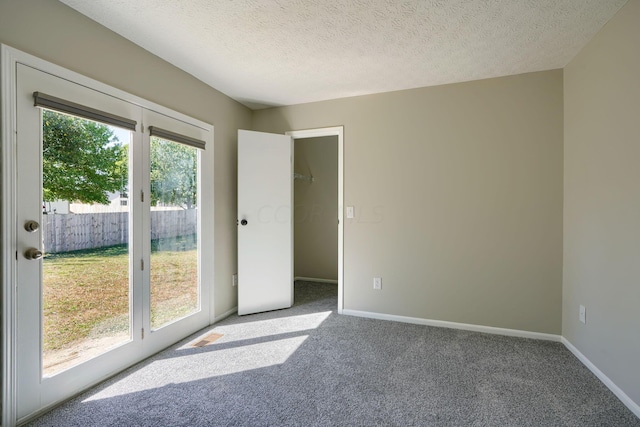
308, 366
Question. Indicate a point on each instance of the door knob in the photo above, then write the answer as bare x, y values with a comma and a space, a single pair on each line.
31, 226
33, 253
244, 222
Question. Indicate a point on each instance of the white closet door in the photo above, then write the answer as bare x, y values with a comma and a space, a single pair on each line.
265, 222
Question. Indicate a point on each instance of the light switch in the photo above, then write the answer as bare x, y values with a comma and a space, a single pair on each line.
582, 316
350, 212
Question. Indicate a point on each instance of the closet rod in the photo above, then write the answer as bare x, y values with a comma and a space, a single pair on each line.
303, 177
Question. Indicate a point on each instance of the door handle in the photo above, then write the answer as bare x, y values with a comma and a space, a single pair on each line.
244, 222
31, 226
33, 253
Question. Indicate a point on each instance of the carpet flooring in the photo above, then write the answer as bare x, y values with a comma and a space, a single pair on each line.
309, 366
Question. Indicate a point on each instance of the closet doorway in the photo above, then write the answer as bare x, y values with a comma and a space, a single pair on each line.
318, 204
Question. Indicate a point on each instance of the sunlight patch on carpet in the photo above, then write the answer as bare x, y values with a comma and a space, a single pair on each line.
268, 327
208, 339
209, 364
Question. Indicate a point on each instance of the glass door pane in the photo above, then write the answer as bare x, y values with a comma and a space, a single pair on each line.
175, 285
86, 285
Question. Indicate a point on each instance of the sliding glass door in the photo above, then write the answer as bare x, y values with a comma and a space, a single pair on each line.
108, 235
175, 285
86, 246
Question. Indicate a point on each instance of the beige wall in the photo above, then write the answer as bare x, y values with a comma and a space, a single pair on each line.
54, 32
458, 198
602, 203
316, 208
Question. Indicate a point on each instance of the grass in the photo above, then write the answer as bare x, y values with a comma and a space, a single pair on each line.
86, 293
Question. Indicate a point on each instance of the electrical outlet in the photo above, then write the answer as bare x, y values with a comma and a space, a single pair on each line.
583, 314
377, 283
234, 280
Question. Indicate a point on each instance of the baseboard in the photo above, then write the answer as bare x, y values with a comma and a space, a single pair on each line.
633, 406
454, 325
314, 279
225, 315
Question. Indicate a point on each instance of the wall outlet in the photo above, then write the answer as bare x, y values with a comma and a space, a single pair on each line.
583, 314
234, 280
377, 283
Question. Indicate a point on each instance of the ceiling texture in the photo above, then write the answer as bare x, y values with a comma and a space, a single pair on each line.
283, 52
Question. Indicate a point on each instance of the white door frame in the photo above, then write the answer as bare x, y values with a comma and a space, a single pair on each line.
9, 232
339, 132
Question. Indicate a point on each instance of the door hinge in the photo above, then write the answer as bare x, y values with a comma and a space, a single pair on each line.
142, 334
142, 196
142, 264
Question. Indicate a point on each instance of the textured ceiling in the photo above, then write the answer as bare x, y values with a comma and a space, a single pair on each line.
283, 52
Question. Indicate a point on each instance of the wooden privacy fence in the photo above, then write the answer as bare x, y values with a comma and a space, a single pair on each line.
72, 232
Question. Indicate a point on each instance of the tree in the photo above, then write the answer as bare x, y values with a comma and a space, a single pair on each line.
174, 174
82, 160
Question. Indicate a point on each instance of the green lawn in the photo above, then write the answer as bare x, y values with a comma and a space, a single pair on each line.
86, 293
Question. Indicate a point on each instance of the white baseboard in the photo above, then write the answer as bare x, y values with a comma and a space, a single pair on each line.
454, 325
633, 406
313, 279
225, 315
